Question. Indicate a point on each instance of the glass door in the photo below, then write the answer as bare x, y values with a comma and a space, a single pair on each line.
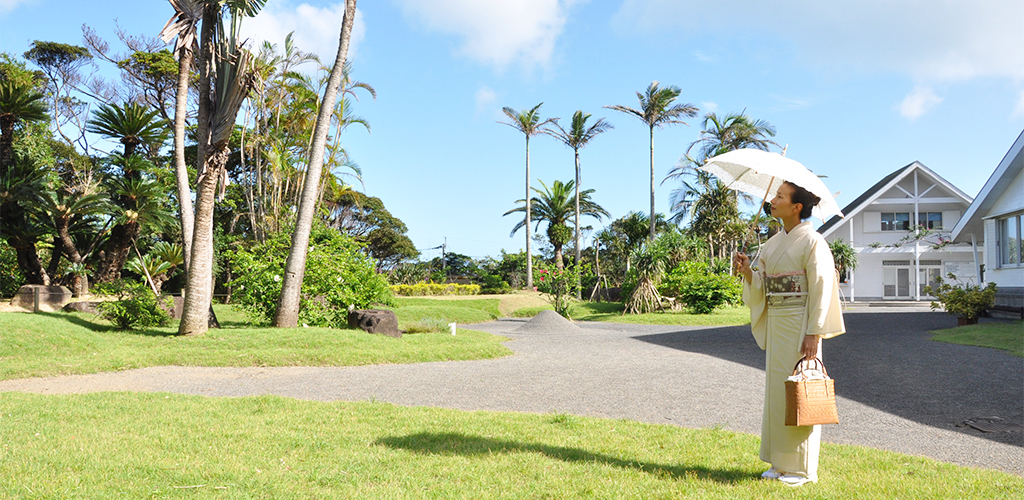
927, 277
896, 283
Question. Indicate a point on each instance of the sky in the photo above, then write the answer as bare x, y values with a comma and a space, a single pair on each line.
856, 89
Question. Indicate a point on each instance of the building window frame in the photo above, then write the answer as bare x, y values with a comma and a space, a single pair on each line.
930, 220
1009, 240
895, 221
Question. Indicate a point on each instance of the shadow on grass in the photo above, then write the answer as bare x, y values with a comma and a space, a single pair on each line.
100, 328
464, 445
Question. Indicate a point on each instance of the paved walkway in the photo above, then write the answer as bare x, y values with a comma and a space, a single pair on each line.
897, 389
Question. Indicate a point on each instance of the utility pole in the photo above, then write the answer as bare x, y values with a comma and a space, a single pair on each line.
444, 246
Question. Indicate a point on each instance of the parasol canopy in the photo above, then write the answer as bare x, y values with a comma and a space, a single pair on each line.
760, 173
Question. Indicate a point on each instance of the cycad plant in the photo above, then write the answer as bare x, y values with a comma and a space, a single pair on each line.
131, 124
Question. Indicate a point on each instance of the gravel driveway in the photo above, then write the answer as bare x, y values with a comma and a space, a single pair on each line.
897, 390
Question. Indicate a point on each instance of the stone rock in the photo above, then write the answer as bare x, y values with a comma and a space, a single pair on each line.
378, 321
86, 306
176, 307
51, 298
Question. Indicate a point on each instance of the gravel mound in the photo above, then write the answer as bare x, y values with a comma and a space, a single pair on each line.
548, 322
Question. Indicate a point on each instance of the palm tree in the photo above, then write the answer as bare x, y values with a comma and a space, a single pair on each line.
18, 103
182, 27
295, 269
555, 205
731, 132
657, 110
712, 206
222, 89
578, 136
530, 124
131, 124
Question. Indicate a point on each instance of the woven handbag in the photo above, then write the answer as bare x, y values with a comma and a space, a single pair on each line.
811, 401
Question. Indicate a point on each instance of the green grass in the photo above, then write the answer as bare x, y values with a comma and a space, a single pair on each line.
612, 312
412, 310
48, 344
120, 445
1006, 336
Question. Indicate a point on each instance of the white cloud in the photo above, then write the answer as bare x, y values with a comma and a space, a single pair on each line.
1018, 112
496, 32
928, 40
317, 29
708, 107
9, 5
702, 56
485, 98
918, 102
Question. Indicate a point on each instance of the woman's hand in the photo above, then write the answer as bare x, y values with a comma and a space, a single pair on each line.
741, 263
809, 348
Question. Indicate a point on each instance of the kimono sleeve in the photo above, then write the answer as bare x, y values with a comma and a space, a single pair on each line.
754, 297
824, 311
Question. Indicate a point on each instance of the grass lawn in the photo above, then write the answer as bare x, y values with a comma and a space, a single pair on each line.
49, 344
120, 445
1006, 336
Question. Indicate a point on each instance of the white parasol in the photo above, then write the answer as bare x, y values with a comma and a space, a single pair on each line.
760, 173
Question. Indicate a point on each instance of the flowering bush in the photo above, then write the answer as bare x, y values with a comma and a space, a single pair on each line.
560, 286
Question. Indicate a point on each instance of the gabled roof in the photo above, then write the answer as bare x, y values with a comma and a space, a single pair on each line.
882, 186
997, 184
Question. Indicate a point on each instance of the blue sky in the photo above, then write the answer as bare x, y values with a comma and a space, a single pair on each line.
857, 89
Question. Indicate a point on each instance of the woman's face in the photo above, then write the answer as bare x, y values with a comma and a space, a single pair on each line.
782, 204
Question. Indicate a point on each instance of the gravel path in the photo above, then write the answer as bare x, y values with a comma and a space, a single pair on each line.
897, 390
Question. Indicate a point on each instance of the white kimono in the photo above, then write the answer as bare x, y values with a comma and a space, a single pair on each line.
794, 292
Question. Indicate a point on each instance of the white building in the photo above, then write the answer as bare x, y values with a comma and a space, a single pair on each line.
896, 257
994, 221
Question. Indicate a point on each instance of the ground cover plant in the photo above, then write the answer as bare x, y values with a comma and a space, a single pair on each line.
612, 312
1003, 335
118, 445
48, 344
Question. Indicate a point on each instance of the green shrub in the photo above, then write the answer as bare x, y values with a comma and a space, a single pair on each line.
494, 284
962, 299
422, 289
337, 275
136, 307
700, 288
11, 278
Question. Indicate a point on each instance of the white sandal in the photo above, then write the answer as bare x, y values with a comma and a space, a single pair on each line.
796, 479
771, 474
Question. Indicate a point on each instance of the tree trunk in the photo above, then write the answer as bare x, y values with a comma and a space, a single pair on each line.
198, 291
576, 221
529, 250
185, 212
652, 184
287, 315
116, 252
28, 262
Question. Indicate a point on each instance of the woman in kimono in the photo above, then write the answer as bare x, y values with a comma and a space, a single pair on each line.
793, 295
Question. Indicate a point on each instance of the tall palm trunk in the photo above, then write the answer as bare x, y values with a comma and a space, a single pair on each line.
529, 235
195, 315
652, 184
185, 212
576, 221
295, 270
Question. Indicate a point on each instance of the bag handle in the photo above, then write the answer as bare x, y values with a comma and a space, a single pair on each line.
811, 363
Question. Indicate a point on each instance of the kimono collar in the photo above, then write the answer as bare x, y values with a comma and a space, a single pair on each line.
798, 228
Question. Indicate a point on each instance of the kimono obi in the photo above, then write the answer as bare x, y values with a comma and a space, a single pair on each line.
786, 289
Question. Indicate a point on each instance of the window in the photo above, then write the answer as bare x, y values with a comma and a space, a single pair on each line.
899, 221
1010, 252
930, 220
